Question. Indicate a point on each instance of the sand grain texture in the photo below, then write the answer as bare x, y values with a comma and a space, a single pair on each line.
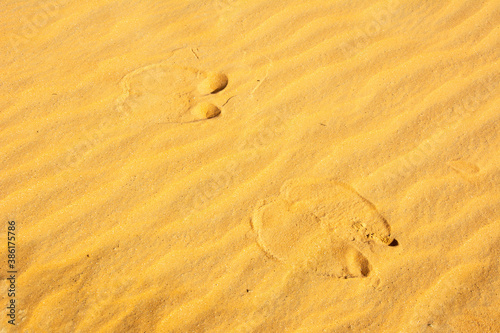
251, 166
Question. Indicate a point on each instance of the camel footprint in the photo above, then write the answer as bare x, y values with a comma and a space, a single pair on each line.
167, 93
322, 226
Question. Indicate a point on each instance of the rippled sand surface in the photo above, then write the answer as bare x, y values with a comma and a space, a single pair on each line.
251, 166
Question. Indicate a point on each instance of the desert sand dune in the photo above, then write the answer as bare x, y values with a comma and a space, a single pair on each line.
250, 166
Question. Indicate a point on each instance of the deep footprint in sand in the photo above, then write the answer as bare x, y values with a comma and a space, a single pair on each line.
166, 93
322, 226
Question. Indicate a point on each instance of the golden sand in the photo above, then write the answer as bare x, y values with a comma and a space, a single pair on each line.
250, 166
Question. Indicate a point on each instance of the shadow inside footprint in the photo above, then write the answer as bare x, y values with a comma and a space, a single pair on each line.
321, 226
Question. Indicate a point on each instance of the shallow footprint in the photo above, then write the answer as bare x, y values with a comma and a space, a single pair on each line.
166, 93
321, 226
